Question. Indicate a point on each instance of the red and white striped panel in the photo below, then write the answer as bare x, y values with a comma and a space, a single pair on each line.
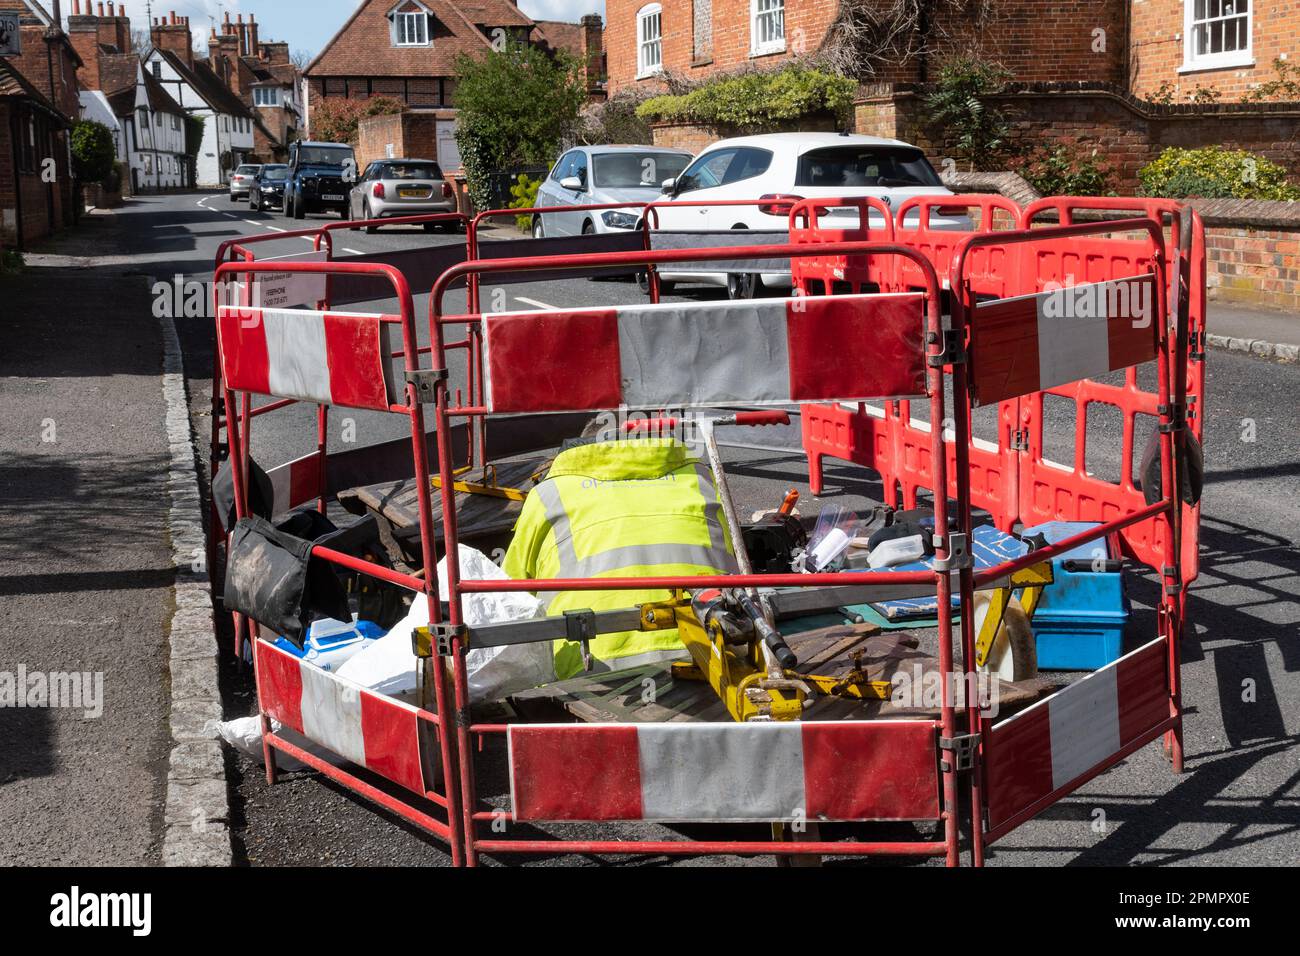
1032, 342
1054, 744
765, 352
856, 770
333, 358
295, 483
369, 729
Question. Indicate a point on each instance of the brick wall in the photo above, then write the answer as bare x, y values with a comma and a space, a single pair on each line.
1259, 267
413, 135
1036, 40
693, 138
1127, 132
1157, 49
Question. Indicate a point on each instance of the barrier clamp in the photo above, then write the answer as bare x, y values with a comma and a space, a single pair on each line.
954, 351
435, 639
959, 556
963, 749
581, 627
426, 382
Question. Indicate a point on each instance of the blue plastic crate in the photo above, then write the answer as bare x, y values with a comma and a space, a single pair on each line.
1079, 623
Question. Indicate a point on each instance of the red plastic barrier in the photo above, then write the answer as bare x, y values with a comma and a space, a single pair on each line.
814, 275
994, 272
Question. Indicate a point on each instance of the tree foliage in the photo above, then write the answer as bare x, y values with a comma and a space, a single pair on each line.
755, 101
93, 151
1066, 169
960, 114
517, 107
336, 120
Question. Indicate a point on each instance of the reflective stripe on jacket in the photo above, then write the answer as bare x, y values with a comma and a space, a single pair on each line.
643, 508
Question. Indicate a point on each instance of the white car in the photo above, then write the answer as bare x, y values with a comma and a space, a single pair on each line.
787, 167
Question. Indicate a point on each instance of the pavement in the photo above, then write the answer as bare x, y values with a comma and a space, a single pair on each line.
1269, 334
1238, 803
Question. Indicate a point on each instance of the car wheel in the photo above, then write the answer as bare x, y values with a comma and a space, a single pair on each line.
643, 283
298, 211
588, 229
252, 204
367, 214
539, 231
742, 285
234, 198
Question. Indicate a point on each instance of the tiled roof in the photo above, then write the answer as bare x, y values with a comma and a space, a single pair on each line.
560, 36
207, 85
363, 46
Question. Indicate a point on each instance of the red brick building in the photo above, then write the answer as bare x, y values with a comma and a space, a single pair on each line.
407, 49
38, 101
1143, 47
264, 78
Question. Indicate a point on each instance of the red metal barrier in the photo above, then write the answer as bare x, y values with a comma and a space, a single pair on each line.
823, 275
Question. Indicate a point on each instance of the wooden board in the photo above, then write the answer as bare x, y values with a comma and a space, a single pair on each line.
650, 694
478, 517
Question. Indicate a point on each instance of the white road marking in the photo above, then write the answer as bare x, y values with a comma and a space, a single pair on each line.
252, 222
353, 252
276, 229
534, 302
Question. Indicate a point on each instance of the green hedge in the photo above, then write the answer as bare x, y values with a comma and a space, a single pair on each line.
1215, 173
752, 102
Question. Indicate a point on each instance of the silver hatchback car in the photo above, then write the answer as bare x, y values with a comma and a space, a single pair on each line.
390, 188
594, 175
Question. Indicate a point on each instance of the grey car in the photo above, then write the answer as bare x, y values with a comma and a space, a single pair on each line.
390, 188
594, 175
241, 181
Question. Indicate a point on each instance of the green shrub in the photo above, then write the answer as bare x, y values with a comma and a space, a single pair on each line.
959, 115
11, 262
517, 107
756, 101
523, 195
1066, 169
1215, 172
1285, 86
93, 152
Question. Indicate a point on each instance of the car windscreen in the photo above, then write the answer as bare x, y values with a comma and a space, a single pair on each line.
323, 155
276, 174
246, 171
411, 171
871, 166
629, 170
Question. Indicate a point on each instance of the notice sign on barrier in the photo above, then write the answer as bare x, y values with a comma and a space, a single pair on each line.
1033, 342
285, 290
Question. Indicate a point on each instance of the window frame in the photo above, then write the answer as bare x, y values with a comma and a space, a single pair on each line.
757, 48
1216, 61
644, 69
420, 16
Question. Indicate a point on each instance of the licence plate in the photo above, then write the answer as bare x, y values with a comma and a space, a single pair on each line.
332, 198
413, 192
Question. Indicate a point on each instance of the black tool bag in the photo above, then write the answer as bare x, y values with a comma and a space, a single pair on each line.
261, 494
272, 577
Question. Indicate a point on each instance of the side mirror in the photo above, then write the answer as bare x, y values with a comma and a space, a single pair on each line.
572, 183
669, 185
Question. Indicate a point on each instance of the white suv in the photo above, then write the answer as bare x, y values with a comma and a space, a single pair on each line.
787, 167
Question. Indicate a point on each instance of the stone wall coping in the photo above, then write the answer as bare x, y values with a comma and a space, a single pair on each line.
876, 92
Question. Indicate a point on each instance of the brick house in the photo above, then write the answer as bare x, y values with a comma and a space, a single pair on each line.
407, 50
38, 102
148, 124
228, 124
263, 77
1139, 46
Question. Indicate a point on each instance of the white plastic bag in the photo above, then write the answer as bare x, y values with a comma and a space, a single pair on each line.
389, 665
245, 735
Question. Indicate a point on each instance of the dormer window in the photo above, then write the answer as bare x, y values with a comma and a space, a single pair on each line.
410, 25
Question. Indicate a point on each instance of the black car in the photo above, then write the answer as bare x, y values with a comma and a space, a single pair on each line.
268, 187
320, 177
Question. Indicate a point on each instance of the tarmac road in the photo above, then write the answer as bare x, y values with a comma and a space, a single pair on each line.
1238, 803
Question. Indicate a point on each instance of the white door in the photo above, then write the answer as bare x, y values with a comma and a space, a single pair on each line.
448, 151
700, 182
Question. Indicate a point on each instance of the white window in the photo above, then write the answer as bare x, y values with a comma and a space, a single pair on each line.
649, 40
767, 26
411, 28
1216, 34
266, 96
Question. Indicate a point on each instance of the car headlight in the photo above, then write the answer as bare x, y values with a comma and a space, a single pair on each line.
620, 220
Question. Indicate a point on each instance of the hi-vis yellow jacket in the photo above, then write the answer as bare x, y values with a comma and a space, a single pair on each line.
620, 509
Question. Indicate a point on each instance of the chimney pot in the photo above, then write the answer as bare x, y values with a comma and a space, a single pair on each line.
101, 9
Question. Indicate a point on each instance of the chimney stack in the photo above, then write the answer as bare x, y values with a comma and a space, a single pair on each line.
92, 35
172, 33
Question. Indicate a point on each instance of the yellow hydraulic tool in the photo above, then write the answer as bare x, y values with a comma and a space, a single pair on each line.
488, 486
